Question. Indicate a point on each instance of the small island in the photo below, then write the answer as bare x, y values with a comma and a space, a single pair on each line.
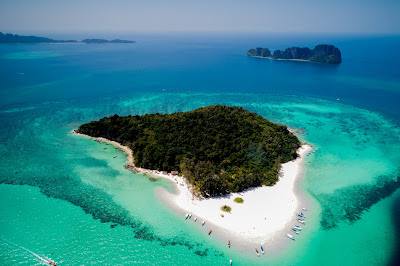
232, 168
218, 149
323, 53
14, 38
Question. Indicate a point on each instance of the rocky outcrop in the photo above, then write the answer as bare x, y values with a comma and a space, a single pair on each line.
323, 53
327, 54
262, 52
293, 53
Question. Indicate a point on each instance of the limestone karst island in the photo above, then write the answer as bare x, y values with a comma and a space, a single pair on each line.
323, 53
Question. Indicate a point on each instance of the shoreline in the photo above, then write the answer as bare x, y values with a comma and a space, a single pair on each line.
248, 225
283, 59
254, 222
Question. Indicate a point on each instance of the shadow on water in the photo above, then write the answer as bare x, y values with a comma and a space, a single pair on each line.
396, 220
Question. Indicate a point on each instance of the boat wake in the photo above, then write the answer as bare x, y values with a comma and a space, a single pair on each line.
44, 260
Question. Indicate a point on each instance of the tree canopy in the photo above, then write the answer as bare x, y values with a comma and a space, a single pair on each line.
218, 149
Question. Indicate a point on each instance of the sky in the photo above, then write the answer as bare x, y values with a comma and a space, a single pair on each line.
327, 16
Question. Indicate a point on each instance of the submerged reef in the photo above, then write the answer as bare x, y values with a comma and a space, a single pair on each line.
348, 204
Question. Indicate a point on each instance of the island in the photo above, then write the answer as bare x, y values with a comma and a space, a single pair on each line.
218, 149
106, 41
323, 53
14, 38
232, 169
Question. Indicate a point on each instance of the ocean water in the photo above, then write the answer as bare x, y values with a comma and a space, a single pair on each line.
65, 197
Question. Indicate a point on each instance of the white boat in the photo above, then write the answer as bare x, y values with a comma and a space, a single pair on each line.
190, 216
115, 156
203, 223
187, 215
230, 261
300, 221
304, 209
290, 236
195, 219
298, 227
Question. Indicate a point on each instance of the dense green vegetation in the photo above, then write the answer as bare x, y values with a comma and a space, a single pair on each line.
219, 149
238, 200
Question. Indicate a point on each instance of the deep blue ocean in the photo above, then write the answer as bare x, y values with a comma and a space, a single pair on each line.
65, 197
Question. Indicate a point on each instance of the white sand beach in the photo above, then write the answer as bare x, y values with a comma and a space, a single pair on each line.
265, 212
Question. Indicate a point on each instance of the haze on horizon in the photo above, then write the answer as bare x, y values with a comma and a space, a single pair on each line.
340, 16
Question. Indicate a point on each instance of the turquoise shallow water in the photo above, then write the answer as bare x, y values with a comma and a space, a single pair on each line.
72, 201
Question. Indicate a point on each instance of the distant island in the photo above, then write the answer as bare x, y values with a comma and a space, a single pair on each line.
106, 41
323, 53
218, 149
14, 38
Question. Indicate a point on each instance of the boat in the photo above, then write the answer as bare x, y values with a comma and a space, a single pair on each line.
209, 232
52, 263
203, 223
230, 261
290, 236
195, 219
262, 249
187, 215
295, 231
229, 243
304, 209
115, 156
300, 215
258, 254
298, 227
190, 216
301, 221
